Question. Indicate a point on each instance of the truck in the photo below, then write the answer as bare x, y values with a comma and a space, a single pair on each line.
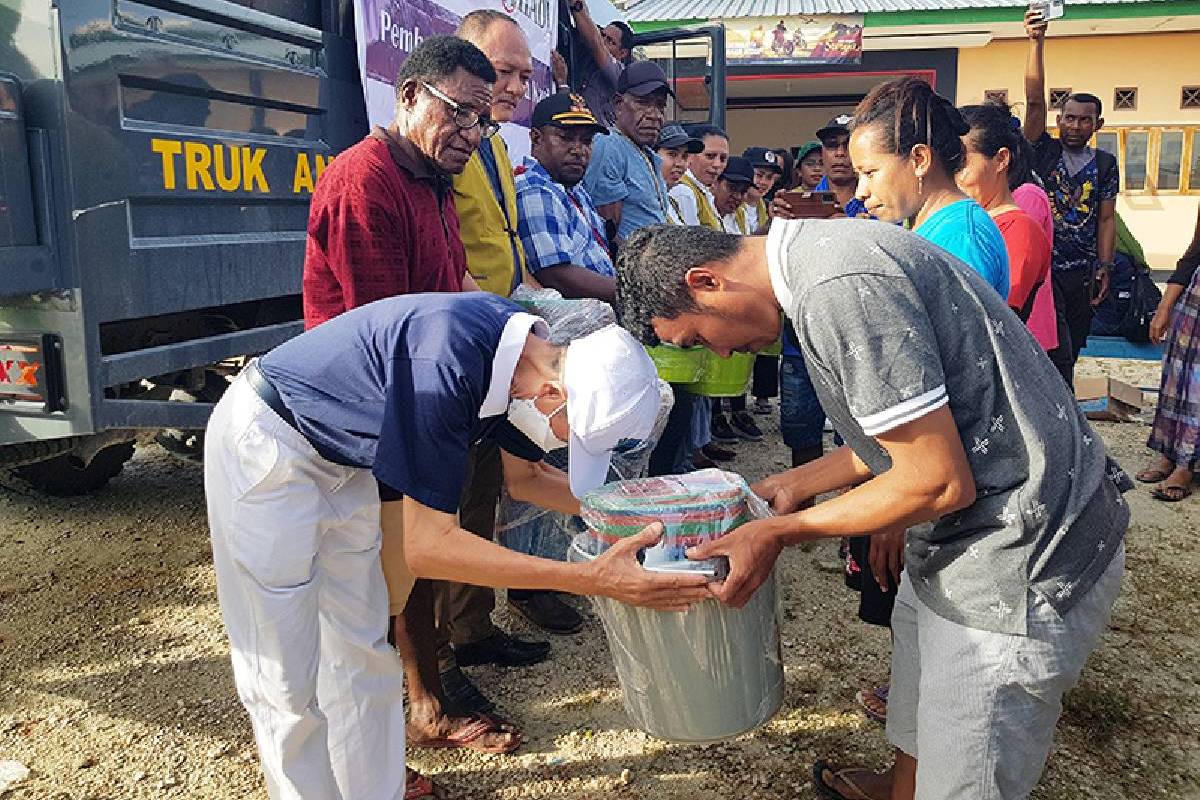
158, 160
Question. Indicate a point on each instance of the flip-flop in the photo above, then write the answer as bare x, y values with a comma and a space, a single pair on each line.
1171, 494
864, 696
418, 787
468, 736
830, 793
1153, 475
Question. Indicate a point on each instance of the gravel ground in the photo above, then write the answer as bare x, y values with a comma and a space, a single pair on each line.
115, 680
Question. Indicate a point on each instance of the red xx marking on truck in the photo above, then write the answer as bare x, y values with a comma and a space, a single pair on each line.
27, 372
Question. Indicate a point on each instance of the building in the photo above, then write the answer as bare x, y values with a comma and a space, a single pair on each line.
1141, 57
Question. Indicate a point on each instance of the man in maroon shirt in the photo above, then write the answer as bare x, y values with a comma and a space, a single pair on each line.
381, 223
382, 220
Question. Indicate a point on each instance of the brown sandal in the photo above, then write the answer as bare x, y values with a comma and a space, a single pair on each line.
1153, 475
1171, 494
468, 736
419, 787
826, 790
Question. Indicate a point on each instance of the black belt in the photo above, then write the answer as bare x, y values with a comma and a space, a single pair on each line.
269, 395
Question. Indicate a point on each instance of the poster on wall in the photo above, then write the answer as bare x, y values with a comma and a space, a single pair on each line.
388, 30
795, 40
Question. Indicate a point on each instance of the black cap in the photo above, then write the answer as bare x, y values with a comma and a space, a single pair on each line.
673, 135
738, 170
762, 158
837, 126
565, 110
642, 78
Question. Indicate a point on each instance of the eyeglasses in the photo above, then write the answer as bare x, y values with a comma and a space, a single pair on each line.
465, 118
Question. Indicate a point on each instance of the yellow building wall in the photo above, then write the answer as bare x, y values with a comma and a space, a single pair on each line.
1159, 65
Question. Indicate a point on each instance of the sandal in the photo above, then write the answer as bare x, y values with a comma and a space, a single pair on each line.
468, 736
827, 791
872, 701
419, 787
1153, 475
1171, 494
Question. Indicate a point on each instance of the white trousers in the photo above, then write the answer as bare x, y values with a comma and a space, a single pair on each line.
295, 543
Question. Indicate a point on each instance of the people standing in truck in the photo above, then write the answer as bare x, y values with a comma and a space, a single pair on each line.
606, 52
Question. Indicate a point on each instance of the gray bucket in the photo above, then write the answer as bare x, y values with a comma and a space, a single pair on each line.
698, 676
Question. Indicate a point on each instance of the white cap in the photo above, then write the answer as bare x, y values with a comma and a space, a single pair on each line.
612, 395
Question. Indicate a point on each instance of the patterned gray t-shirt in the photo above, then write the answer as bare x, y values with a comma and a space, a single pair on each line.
893, 328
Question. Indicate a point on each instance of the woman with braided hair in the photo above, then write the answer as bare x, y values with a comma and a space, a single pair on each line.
906, 145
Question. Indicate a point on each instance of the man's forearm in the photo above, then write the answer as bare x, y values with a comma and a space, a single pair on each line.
880, 505
437, 548
538, 483
574, 282
1036, 108
591, 36
832, 471
1106, 233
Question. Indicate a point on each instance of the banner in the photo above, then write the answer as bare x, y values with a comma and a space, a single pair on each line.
388, 30
794, 40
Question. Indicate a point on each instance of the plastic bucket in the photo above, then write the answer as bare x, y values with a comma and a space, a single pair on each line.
725, 377
698, 676
678, 364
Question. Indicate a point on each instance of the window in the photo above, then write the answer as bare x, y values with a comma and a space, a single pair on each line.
995, 96
1170, 161
306, 12
1058, 97
1155, 159
1137, 153
1194, 171
1125, 98
1190, 97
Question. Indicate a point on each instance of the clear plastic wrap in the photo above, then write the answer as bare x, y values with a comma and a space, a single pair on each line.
710, 673
567, 319
694, 508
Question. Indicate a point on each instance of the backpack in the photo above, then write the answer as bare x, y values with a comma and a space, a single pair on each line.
1144, 298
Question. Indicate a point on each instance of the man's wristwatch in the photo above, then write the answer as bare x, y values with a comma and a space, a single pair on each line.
1105, 265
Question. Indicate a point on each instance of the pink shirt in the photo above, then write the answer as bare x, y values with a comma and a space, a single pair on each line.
1043, 320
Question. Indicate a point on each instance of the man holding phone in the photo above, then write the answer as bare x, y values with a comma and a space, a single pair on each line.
840, 180
1082, 183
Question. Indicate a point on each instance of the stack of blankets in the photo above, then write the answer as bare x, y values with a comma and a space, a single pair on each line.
694, 508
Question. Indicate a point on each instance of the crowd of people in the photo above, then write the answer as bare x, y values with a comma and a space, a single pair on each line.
918, 274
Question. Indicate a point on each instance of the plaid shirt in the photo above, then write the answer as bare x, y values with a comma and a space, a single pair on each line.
556, 226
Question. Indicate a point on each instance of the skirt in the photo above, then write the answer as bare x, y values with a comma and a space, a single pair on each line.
1176, 432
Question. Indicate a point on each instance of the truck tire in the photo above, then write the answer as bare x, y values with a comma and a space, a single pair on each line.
15, 455
66, 475
189, 444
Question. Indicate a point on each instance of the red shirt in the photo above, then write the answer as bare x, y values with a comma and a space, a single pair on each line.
381, 223
1028, 258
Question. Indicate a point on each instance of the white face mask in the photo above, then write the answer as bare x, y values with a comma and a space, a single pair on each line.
529, 420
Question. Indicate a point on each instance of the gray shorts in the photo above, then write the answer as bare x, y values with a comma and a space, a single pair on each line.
977, 709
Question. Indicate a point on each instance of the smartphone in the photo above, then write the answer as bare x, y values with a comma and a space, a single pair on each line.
811, 205
1048, 9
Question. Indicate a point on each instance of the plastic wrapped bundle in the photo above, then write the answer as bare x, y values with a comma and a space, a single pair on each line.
568, 319
694, 508
710, 673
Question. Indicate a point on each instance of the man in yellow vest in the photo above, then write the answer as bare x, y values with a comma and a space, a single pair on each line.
448, 625
693, 193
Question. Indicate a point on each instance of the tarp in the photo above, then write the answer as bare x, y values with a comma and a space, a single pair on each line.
388, 30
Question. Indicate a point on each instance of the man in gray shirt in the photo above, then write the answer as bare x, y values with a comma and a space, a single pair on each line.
951, 412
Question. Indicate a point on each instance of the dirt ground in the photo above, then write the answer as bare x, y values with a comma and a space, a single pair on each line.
115, 680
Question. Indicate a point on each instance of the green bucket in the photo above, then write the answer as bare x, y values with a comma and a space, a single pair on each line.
678, 364
725, 377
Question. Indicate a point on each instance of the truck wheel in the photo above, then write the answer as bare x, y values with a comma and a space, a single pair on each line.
67, 475
14, 455
189, 444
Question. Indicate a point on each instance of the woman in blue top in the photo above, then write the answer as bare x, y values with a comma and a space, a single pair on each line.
906, 146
